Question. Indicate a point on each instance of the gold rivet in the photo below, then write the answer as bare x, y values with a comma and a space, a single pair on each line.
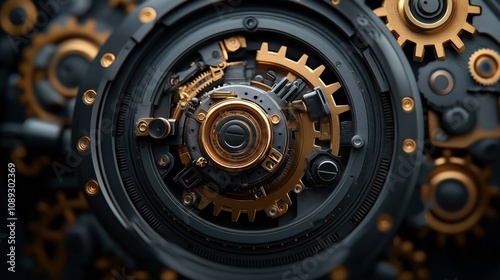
298, 188
164, 160
147, 14
92, 187
339, 273
275, 119
107, 59
83, 144
409, 146
143, 126
89, 97
273, 211
335, 2
201, 117
408, 104
384, 222
188, 199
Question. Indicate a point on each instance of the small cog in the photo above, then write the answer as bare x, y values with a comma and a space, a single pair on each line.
429, 23
484, 67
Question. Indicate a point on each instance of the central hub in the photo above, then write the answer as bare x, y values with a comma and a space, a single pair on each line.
236, 134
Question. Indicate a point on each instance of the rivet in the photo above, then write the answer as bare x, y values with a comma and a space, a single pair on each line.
408, 104
89, 97
409, 146
107, 59
83, 144
147, 14
92, 187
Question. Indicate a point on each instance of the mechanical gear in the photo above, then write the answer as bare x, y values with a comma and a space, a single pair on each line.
484, 67
70, 38
458, 195
442, 30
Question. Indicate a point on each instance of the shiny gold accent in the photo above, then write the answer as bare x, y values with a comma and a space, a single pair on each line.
18, 29
482, 55
142, 127
209, 140
325, 129
188, 198
83, 144
28, 167
457, 223
298, 188
447, 30
169, 274
275, 119
273, 160
48, 231
92, 187
164, 160
80, 47
89, 97
409, 146
201, 162
335, 2
339, 273
107, 59
147, 14
70, 35
201, 116
448, 76
408, 104
223, 94
407, 260
404, 9
384, 222
313, 78
231, 45
459, 141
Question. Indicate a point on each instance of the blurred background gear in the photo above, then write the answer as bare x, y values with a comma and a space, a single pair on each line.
218, 98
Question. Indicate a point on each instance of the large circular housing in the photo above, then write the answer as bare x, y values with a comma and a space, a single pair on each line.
250, 139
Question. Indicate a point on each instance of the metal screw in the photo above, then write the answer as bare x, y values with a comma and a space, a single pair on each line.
143, 126
147, 14
201, 162
164, 160
83, 144
298, 188
89, 97
275, 119
107, 59
357, 141
92, 187
408, 104
188, 199
273, 212
409, 146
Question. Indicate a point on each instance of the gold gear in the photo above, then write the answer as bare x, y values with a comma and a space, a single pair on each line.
458, 223
408, 261
72, 38
22, 28
407, 28
49, 232
491, 76
276, 201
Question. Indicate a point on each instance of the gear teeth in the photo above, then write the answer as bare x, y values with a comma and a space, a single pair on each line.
282, 51
251, 214
303, 59
380, 12
419, 52
287, 199
235, 215
203, 203
474, 10
458, 44
421, 35
469, 28
440, 53
217, 209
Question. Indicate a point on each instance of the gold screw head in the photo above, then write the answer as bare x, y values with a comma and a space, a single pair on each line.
273, 212
408, 104
147, 14
201, 162
143, 126
83, 144
92, 187
89, 97
275, 119
107, 59
409, 146
201, 116
384, 222
188, 199
164, 160
298, 188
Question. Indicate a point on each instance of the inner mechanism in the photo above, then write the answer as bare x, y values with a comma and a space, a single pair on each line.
252, 127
